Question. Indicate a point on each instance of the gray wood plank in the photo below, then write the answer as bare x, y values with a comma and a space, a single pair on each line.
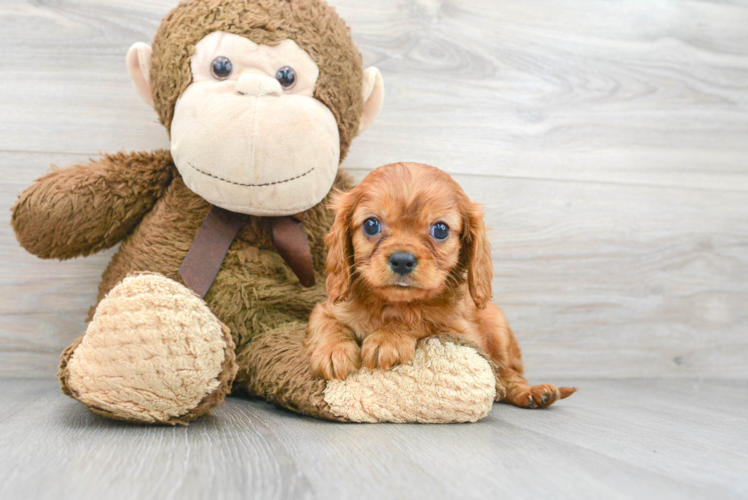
596, 279
607, 141
644, 92
613, 439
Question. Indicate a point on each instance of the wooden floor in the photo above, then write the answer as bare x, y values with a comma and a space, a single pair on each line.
636, 439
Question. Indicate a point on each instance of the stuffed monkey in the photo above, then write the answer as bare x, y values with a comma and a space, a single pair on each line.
222, 256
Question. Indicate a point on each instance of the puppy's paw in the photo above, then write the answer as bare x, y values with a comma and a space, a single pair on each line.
336, 359
543, 395
384, 350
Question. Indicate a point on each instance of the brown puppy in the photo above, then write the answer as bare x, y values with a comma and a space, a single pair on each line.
408, 258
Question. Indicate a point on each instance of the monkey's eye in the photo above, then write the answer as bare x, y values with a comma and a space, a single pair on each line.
372, 227
440, 231
221, 68
286, 76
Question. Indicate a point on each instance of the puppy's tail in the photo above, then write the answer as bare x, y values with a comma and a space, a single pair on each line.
565, 392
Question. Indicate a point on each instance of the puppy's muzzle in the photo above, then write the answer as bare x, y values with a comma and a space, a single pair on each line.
403, 263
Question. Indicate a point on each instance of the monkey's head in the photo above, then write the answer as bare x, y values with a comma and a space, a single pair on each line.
261, 98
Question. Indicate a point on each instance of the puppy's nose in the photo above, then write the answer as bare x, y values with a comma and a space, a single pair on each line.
403, 262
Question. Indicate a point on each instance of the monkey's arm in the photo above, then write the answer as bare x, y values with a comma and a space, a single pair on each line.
88, 207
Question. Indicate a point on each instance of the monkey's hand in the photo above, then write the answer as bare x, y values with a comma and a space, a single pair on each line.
86, 208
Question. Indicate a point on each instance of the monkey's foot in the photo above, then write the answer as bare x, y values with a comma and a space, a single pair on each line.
446, 381
153, 353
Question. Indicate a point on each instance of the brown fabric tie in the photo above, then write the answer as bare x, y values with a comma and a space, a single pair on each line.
218, 231
290, 239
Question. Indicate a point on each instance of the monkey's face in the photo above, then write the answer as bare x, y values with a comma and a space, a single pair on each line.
262, 99
247, 133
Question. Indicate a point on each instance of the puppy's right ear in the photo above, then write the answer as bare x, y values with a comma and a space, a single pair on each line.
340, 248
477, 255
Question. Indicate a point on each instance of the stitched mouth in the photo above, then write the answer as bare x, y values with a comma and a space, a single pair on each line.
248, 184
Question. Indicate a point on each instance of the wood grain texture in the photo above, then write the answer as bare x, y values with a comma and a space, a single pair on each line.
608, 141
614, 439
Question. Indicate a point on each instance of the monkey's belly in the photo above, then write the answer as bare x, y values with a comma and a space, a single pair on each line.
254, 289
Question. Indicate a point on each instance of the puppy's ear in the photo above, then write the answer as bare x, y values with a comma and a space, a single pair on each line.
476, 255
340, 247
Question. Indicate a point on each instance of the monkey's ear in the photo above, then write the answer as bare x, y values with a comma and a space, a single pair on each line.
139, 66
373, 89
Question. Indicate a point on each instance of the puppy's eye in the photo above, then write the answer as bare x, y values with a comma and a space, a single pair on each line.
372, 227
440, 231
221, 68
286, 76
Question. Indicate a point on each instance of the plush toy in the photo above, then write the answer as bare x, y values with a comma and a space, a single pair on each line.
222, 256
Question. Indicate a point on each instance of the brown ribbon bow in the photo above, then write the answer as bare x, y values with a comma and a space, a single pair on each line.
218, 231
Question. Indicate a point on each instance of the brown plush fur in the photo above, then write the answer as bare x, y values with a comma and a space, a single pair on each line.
141, 200
254, 290
276, 359
312, 24
89, 207
375, 316
255, 293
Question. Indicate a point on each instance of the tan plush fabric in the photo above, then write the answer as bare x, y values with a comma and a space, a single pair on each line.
445, 382
247, 145
373, 92
139, 67
312, 24
152, 353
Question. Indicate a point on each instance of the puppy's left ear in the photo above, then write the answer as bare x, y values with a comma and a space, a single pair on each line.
340, 247
476, 255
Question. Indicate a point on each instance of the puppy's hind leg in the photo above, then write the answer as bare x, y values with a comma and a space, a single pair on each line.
506, 353
500, 343
520, 393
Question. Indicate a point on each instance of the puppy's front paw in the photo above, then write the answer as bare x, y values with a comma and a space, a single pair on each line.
384, 349
336, 359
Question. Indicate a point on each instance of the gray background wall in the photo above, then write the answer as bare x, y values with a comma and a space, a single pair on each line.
608, 141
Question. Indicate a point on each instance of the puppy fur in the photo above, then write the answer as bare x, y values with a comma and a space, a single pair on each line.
374, 316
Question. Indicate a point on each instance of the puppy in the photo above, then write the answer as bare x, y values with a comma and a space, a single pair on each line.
408, 258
